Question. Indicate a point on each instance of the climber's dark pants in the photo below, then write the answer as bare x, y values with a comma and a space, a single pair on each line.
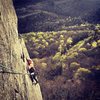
33, 75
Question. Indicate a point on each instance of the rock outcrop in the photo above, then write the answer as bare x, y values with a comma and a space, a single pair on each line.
14, 83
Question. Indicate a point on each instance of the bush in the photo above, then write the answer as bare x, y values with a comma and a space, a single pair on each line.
96, 67
63, 58
57, 56
73, 55
82, 49
44, 65
94, 44
98, 42
74, 66
61, 48
35, 53
69, 40
82, 73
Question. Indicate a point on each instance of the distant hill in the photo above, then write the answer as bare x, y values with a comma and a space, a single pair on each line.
32, 16
20, 3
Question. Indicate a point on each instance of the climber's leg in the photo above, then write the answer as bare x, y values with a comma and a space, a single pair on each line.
36, 79
31, 77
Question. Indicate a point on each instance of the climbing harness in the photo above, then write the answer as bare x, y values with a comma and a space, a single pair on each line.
10, 71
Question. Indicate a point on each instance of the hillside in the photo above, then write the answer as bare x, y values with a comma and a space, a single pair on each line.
46, 15
15, 83
68, 62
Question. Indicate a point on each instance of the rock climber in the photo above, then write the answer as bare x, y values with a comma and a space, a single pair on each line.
31, 70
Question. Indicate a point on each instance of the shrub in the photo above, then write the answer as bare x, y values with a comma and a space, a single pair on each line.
44, 65
63, 58
35, 53
57, 56
54, 33
46, 43
96, 67
57, 65
61, 48
73, 55
61, 36
69, 40
61, 41
98, 42
33, 39
94, 44
43, 40
40, 33
74, 65
51, 40
82, 49
82, 73
63, 65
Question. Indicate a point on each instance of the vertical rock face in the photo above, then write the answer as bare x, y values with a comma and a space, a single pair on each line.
13, 86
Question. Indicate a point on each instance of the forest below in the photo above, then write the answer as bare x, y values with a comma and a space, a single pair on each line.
67, 62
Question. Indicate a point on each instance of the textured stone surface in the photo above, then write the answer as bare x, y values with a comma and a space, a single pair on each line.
13, 86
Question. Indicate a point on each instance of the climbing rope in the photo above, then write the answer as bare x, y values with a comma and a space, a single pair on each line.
11, 71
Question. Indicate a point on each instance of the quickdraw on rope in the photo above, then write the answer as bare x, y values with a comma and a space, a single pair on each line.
10, 71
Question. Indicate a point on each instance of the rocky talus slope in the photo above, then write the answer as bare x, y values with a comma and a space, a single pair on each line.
14, 84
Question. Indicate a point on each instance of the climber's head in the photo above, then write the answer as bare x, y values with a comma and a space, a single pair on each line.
29, 61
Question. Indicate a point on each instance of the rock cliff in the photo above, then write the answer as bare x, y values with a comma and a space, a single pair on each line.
14, 83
